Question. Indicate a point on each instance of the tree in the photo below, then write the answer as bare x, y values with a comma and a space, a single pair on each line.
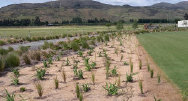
186, 16
135, 25
119, 26
37, 21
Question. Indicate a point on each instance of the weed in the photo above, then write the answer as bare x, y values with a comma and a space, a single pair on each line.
81, 97
125, 63
80, 53
90, 52
141, 87
80, 74
93, 78
86, 87
151, 73
50, 60
56, 82
77, 90
45, 64
121, 58
9, 97
148, 67
112, 89
16, 72
93, 65
22, 89
157, 99
129, 78
74, 45
39, 88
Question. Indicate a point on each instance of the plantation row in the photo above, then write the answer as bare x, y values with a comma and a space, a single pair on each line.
52, 53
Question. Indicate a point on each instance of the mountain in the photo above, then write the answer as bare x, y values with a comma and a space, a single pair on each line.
87, 9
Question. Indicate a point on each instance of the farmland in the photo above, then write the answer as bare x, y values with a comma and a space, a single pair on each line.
169, 51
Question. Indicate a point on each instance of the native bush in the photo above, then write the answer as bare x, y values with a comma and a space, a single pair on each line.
2, 64
26, 59
12, 60
39, 88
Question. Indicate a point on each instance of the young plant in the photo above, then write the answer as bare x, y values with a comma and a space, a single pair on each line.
93, 78
15, 80
125, 63
141, 87
16, 72
148, 67
22, 89
77, 90
131, 67
41, 73
56, 83
80, 74
157, 99
90, 52
50, 60
93, 65
158, 78
151, 73
81, 97
9, 97
140, 64
86, 87
67, 62
121, 58
119, 81
112, 89
114, 71
80, 53
64, 75
129, 78
39, 88
45, 64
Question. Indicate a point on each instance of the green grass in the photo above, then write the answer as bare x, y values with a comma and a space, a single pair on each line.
50, 31
170, 51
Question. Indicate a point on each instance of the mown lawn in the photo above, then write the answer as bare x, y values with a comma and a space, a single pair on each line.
170, 51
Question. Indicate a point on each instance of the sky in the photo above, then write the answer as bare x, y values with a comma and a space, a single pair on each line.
113, 2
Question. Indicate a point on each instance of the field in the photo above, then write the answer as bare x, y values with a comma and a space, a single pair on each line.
170, 51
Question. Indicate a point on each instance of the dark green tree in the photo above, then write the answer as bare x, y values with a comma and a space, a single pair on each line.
37, 21
186, 16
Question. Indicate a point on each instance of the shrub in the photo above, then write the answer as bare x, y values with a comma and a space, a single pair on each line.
9, 97
3, 51
26, 59
112, 89
2, 64
36, 55
75, 45
12, 60
93, 78
84, 44
56, 83
86, 87
39, 88
141, 87
22, 89
24, 49
41, 73
77, 90
2, 42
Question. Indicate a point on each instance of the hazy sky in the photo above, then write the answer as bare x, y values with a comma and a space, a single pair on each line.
114, 2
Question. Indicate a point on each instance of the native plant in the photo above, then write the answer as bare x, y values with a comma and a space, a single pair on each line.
16, 72
86, 87
9, 97
41, 73
121, 58
140, 64
2, 64
80, 53
15, 80
148, 67
77, 90
56, 83
114, 72
119, 81
64, 75
131, 67
67, 62
125, 63
155, 99
151, 73
93, 78
12, 60
112, 89
22, 89
26, 59
81, 97
39, 88
158, 78
141, 87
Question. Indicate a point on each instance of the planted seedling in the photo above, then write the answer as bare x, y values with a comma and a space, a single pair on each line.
45, 64
114, 71
56, 83
93, 78
15, 80
125, 63
41, 73
141, 87
81, 97
16, 72
131, 67
80, 53
112, 89
121, 58
119, 81
77, 90
151, 73
140, 64
86, 87
158, 78
39, 88
67, 62
64, 75
157, 99
9, 97
148, 67
22, 89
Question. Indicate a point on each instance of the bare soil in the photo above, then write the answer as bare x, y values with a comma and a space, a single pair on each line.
66, 92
